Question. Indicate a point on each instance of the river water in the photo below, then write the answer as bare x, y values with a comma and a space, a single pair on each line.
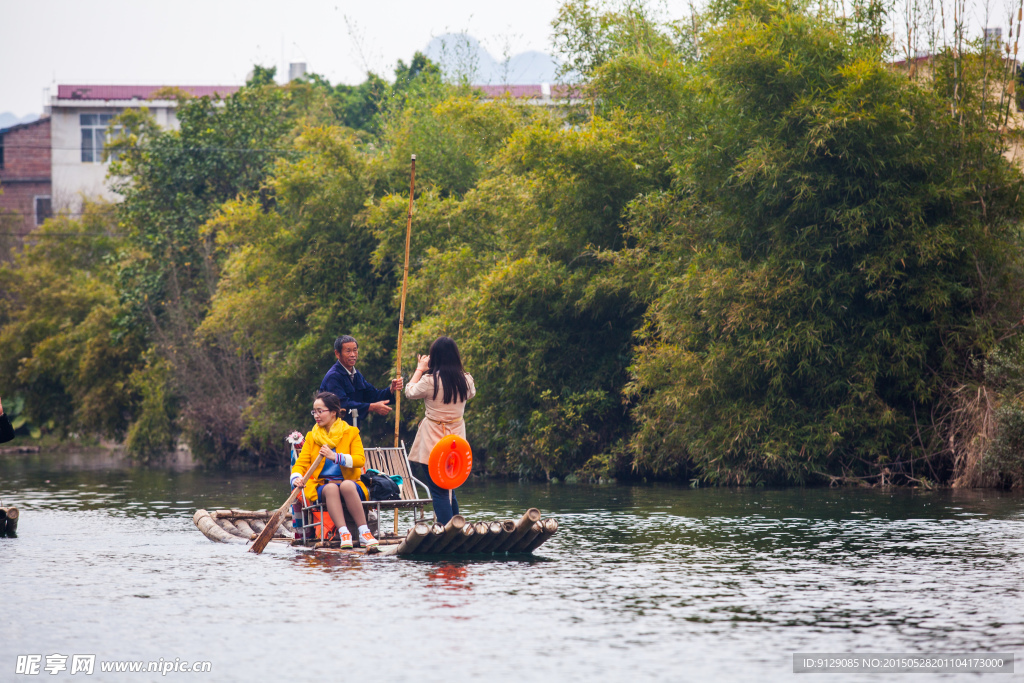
641, 583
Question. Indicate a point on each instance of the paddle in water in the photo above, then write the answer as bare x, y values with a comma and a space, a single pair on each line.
275, 519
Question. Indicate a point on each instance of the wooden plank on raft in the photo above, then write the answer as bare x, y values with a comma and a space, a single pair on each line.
227, 526
505, 527
244, 527
490, 538
481, 537
413, 539
389, 504
481, 532
524, 542
206, 524
550, 527
522, 526
508, 527
451, 531
357, 552
245, 514
9, 522
436, 532
467, 533
19, 449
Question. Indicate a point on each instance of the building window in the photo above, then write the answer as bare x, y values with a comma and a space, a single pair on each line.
44, 209
94, 135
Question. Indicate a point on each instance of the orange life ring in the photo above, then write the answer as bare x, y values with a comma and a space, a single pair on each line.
451, 461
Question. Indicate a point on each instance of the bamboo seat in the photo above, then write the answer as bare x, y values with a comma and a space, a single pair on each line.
392, 462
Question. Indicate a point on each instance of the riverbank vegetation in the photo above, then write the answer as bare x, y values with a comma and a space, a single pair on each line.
752, 250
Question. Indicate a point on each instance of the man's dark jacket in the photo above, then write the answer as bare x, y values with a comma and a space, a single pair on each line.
355, 392
6, 430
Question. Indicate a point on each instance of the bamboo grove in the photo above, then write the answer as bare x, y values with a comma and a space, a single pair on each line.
753, 250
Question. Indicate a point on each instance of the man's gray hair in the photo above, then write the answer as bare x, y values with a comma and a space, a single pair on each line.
342, 340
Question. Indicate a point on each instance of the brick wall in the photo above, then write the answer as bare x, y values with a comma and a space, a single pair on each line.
25, 174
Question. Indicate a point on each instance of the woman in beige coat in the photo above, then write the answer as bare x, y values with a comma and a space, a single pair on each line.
445, 387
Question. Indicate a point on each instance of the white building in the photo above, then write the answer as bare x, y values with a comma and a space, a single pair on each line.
80, 115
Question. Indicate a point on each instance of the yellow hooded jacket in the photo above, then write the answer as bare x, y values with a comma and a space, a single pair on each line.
342, 438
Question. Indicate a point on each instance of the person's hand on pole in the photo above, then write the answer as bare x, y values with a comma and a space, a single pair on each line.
1, 407
380, 408
328, 453
397, 384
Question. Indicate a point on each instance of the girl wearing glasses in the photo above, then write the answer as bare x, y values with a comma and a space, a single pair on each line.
336, 480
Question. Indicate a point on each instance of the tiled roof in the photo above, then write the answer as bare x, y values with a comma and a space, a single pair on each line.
27, 124
136, 92
513, 90
527, 91
917, 60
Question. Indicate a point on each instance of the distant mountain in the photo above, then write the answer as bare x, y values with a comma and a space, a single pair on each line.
460, 54
7, 119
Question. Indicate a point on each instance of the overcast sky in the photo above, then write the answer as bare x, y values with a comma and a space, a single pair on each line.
216, 42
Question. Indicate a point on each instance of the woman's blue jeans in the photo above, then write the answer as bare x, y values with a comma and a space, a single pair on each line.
443, 509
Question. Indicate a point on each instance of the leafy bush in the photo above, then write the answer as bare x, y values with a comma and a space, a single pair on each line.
1004, 371
844, 267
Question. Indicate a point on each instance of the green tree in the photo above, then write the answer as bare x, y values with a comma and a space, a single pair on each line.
173, 181
59, 346
362, 106
851, 255
521, 282
306, 261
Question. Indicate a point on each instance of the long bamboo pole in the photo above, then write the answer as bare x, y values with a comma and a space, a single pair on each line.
405, 281
401, 313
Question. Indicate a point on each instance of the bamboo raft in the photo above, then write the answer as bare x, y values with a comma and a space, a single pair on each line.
458, 537
9, 522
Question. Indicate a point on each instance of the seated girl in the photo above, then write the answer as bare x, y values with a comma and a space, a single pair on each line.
336, 479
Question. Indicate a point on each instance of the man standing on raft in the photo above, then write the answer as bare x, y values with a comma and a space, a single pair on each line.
445, 387
349, 385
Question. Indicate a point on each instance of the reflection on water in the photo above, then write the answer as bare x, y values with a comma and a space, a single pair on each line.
640, 583
448, 576
306, 561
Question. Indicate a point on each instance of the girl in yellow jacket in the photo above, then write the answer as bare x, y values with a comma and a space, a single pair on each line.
336, 479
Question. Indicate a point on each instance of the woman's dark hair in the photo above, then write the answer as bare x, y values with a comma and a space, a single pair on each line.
331, 402
446, 366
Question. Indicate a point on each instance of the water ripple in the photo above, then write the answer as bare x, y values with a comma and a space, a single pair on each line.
640, 583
